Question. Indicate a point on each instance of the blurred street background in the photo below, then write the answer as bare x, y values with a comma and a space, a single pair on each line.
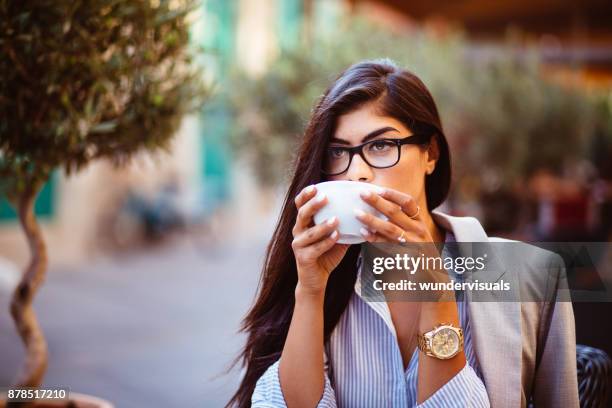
154, 264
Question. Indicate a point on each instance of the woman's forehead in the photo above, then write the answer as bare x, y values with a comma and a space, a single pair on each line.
355, 125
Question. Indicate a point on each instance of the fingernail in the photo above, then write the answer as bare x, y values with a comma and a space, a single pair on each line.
309, 189
321, 198
334, 234
359, 212
364, 232
366, 194
331, 220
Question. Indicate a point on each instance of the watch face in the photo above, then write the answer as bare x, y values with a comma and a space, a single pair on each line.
445, 343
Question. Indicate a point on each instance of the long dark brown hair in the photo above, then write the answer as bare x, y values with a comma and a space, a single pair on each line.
397, 93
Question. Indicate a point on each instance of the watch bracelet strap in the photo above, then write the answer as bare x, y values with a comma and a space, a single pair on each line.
422, 343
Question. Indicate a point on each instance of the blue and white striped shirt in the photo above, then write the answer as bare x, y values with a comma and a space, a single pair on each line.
364, 367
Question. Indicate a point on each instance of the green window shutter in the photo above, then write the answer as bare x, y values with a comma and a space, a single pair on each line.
219, 37
219, 31
289, 22
216, 157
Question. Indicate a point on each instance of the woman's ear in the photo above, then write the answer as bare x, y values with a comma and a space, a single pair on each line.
433, 153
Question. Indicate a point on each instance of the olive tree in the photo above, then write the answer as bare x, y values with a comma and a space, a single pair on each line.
82, 80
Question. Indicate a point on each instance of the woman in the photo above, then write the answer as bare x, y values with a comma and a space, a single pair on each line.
314, 341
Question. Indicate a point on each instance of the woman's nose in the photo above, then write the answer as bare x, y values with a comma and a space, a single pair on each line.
359, 170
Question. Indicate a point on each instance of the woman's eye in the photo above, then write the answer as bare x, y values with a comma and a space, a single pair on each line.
381, 146
336, 152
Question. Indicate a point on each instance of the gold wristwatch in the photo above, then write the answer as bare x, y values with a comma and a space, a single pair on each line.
443, 342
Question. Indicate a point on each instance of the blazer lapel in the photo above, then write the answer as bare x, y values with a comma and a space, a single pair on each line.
495, 325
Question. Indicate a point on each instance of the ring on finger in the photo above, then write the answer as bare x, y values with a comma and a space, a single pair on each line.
418, 211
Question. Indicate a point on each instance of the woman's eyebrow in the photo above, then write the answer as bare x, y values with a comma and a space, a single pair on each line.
369, 136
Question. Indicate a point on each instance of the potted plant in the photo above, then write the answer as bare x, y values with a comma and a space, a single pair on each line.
81, 81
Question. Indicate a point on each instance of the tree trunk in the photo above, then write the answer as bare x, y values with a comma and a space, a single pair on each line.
35, 364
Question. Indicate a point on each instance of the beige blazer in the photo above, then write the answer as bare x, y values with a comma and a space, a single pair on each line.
525, 349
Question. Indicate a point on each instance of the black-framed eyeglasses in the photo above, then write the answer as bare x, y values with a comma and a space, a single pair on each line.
379, 153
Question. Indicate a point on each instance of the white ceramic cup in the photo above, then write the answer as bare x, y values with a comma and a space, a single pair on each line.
342, 200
